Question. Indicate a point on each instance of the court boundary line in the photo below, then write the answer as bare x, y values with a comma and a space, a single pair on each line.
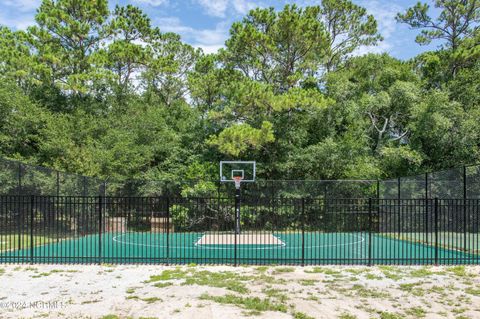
205, 247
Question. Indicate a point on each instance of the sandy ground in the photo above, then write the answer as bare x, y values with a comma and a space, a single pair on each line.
92, 291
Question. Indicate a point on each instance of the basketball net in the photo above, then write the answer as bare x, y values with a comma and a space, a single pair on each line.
238, 181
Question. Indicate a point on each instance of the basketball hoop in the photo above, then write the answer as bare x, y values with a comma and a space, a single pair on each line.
238, 181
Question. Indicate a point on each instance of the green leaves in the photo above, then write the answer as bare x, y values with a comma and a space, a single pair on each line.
281, 49
108, 94
237, 139
457, 19
349, 27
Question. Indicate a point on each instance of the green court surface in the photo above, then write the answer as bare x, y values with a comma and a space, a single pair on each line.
310, 248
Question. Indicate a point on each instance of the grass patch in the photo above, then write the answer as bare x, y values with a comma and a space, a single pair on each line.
390, 315
373, 277
347, 316
473, 291
276, 293
163, 284
279, 270
176, 273
264, 278
14, 241
323, 270
110, 317
301, 315
150, 300
416, 312
248, 303
364, 292
421, 272
459, 271
413, 289
228, 280
307, 282
390, 272
262, 269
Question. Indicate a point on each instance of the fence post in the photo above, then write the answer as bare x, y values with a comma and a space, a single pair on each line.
426, 208
58, 183
370, 231
303, 231
168, 231
32, 218
19, 192
84, 186
399, 185
378, 188
465, 248
435, 211
100, 208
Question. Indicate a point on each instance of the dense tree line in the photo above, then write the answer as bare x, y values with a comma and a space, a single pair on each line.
107, 94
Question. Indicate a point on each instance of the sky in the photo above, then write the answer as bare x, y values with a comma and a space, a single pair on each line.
206, 23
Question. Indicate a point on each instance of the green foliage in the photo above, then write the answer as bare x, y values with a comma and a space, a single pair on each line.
456, 20
179, 215
249, 303
237, 139
105, 93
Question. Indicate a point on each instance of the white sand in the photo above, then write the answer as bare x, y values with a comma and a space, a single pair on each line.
92, 291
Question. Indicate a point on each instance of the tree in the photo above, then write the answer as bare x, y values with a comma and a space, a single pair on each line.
457, 19
67, 33
16, 60
349, 27
170, 63
443, 132
281, 49
128, 54
21, 123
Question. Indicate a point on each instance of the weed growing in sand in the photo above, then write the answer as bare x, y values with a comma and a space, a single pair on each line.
229, 280
163, 284
473, 291
459, 271
390, 272
390, 315
421, 272
248, 303
261, 269
326, 271
373, 277
416, 312
301, 315
307, 282
280, 270
364, 292
275, 293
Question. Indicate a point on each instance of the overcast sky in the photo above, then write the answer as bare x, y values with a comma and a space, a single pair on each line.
205, 23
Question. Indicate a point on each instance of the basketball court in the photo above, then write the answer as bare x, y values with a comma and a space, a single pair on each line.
246, 248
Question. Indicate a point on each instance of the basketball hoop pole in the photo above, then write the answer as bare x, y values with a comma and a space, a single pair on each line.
238, 181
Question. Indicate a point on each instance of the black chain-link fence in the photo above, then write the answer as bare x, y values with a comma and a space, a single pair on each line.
455, 183
22, 179
17, 178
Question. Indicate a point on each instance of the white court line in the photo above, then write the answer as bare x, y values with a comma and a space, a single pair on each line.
221, 248
205, 247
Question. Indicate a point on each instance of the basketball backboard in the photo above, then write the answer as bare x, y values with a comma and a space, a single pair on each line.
230, 170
